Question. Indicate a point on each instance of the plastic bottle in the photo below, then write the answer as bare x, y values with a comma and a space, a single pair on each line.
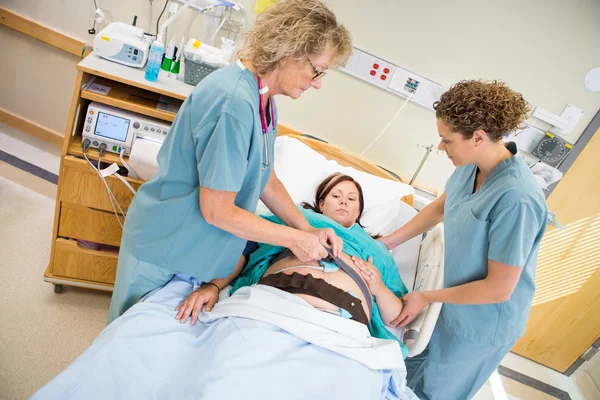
169, 56
155, 59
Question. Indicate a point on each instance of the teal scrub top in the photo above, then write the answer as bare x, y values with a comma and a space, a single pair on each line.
216, 142
503, 221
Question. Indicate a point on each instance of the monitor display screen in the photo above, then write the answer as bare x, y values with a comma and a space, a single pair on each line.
112, 127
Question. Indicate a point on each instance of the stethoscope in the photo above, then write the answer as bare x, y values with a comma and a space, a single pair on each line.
263, 122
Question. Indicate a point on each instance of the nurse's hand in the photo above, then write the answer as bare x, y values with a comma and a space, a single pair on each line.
414, 303
206, 296
327, 237
307, 247
387, 241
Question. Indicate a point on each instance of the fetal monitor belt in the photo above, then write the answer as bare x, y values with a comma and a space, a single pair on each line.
307, 284
345, 267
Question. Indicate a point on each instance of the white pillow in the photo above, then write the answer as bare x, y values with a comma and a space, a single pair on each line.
301, 169
378, 218
406, 255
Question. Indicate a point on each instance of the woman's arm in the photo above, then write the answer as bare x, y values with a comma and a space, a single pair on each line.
426, 219
222, 282
497, 287
206, 296
390, 306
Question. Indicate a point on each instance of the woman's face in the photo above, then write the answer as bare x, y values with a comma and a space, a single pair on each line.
296, 76
458, 149
342, 204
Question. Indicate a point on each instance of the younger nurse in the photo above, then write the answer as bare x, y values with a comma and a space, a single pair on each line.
494, 216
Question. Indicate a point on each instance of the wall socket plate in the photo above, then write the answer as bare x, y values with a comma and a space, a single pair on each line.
393, 78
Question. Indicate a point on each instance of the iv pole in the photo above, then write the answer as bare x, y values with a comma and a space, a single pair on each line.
428, 150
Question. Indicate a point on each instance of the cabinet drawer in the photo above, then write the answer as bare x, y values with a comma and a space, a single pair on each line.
83, 223
80, 184
73, 261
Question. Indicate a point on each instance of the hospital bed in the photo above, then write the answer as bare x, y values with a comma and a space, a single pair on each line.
127, 349
302, 161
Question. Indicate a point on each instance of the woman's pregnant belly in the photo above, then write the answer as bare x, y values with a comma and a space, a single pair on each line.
339, 279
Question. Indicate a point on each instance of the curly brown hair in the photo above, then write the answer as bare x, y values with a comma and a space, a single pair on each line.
491, 106
295, 29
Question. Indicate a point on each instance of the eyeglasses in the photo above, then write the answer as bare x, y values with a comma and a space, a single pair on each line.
318, 74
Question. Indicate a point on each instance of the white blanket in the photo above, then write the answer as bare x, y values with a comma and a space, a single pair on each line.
260, 343
294, 315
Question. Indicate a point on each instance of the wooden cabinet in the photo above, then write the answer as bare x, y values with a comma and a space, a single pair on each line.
72, 261
82, 186
84, 212
88, 224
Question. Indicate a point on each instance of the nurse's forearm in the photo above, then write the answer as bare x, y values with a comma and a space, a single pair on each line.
426, 219
246, 225
476, 292
277, 199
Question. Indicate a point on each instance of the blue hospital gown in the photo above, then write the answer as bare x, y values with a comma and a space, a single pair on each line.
503, 221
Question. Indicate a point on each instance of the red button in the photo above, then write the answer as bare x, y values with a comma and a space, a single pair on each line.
375, 66
373, 72
383, 77
386, 70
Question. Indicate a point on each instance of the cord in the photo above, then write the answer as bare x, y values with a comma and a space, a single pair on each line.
93, 30
160, 16
101, 150
388, 125
111, 197
125, 183
150, 18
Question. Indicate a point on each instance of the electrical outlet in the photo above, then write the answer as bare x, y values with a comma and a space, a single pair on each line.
370, 68
393, 78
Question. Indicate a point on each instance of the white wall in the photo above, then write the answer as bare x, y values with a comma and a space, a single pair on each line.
37, 80
541, 48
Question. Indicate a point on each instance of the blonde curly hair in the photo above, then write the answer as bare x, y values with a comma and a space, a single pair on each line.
491, 106
295, 29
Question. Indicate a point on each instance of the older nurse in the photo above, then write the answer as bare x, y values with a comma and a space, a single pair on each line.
195, 216
494, 216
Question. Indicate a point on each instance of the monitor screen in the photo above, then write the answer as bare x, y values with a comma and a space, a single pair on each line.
112, 127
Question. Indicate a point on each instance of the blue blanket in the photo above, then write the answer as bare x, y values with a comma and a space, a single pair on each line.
357, 242
147, 354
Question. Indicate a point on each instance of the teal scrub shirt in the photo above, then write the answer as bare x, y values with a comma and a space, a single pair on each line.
216, 142
503, 221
